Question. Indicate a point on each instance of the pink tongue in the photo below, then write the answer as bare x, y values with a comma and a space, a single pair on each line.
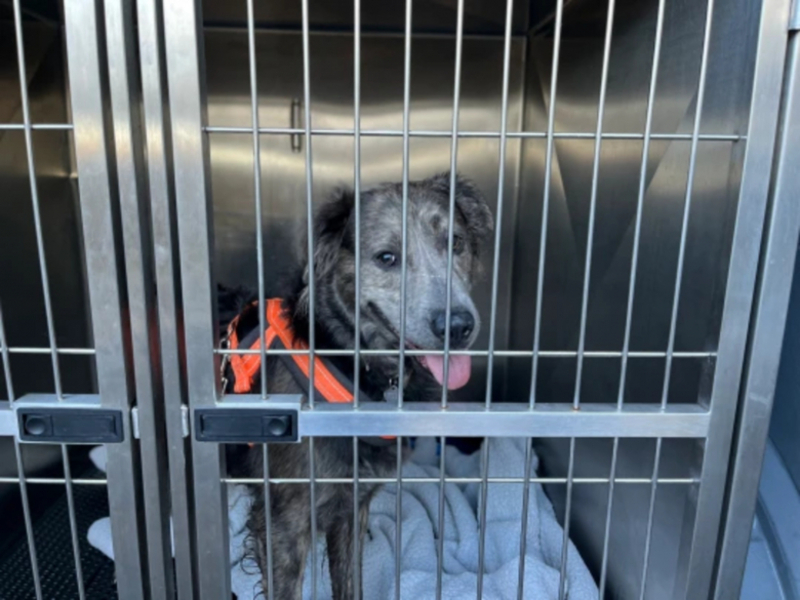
458, 373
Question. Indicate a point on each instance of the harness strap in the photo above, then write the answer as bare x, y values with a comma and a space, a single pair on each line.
329, 382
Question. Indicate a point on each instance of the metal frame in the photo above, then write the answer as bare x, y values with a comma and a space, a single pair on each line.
165, 257
183, 51
777, 268
739, 292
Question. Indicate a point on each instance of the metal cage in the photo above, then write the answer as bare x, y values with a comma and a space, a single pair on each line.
639, 160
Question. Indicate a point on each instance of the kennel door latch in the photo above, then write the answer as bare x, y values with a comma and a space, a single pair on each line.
74, 420
260, 422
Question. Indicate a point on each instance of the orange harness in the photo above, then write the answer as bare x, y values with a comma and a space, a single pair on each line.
329, 383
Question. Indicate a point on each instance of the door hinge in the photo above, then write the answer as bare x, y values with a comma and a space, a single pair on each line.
80, 419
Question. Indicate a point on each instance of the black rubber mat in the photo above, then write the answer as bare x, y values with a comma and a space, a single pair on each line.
54, 551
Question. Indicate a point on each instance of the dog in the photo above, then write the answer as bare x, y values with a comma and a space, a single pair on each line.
381, 214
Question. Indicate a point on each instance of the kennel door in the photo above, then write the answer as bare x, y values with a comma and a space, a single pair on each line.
63, 325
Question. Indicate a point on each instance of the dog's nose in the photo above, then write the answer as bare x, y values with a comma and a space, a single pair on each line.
461, 325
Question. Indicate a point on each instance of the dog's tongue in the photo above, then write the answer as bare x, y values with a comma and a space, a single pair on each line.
457, 374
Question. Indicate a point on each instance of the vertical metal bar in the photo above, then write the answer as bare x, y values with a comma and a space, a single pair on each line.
165, 258
357, 549
637, 231
482, 515
650, 514
495, 280
440, 541
548, 168
403, 262
612, 478
778, 266
687, 202
73, 524
523, 535
701, 86
123, 85
452, 209
309, 206
357, 194
251, 51
268, 525
313, 502
23, 485
183, 51
311, 296
499, 215
562, 580
83, 32
398, 532
598, 141
34, 187
740, 288
357, 308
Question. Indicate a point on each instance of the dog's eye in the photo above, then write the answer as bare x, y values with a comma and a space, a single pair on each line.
386, 259
458, 244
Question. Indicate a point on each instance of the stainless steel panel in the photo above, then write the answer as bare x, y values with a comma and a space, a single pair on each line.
766, 340
165, 257
102, 249
739, 290
128, 150
184, 60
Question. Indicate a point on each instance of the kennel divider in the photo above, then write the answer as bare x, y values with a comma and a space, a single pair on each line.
163, 228
764, 350
739, 292
125, 95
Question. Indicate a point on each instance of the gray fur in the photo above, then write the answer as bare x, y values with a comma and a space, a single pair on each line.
334, 270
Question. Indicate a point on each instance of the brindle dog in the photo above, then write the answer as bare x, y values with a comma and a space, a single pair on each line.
380, 281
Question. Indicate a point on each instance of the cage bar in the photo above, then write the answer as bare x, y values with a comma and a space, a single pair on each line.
444, 133
34, 187
162, 223
20, 480
268, 525
526, 502
310, 213
452, 208
548, 169
251, 52
562, 580
587, 268
637, 231
441, 517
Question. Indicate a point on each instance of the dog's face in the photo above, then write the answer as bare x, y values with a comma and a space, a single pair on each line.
382, 258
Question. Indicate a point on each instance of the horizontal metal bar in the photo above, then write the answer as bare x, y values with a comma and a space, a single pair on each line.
54, 481
709, 137
505, 420
503, 353
64, 351
348, 32
462, 480
36, 126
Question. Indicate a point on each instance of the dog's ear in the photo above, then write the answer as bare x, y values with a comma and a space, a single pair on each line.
330, 228
470, 203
